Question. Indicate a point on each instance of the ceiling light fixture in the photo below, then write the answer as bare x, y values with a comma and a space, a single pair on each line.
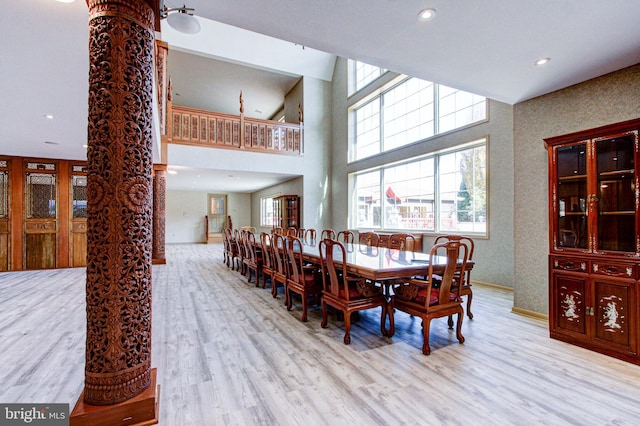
48, 116
183, 21
542, 61
172, 172
426, 14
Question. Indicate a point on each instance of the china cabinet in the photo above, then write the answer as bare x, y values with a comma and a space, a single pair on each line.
286, 211
595, 239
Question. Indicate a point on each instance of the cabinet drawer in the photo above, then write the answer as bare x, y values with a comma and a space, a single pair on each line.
619, 270
569, 264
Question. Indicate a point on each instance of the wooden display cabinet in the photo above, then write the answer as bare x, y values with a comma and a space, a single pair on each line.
286, 211
595, 239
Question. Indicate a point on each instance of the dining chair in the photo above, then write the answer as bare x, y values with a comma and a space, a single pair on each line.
301, 233
293, 232
348, 293
346, 237
420, 298
310, 236
277, 230
370, 239
464, 280
303, 278
231, 249
254, 259
279, 265
404, 242
328, 233
242, 251
267, 259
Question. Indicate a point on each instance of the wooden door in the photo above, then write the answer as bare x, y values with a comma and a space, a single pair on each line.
569, 304
4, 215
78, 209
614, 314
40, 215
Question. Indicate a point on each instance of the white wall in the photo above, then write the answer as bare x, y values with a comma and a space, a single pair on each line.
185, 212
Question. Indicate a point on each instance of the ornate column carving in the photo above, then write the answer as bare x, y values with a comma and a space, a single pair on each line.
159, 211
119, 211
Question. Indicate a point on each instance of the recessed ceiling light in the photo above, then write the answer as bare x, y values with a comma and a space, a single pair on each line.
172, 172
48, 116
85, 146
426, 14
542, 61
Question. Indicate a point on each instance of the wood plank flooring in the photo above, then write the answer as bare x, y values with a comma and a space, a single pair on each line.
227, 353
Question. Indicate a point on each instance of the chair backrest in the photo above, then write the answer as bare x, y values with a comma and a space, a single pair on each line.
278, 250
466, 278
277, 230
292, 232
294, 255
333, 253
406, 242
457, 254
301, 233
250, 246
328, 233
346, 237
369, 239
310, 236
265, 243
249, 228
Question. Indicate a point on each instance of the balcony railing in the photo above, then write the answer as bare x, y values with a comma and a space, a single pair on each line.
191, 126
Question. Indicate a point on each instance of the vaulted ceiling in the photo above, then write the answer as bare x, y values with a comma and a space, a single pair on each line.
487, 47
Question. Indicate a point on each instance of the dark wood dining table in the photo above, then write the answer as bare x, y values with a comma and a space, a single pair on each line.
381, 263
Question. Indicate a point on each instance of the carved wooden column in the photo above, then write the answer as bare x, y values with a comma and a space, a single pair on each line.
118, 371
159, 204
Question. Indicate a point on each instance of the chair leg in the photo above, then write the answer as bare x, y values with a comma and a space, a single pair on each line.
274, 287
426, 324
304, 307
323, 323
469, 298
450, 321
459, 326
347, 328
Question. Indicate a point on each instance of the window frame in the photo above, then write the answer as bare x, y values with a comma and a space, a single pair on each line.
378, 94
354, 205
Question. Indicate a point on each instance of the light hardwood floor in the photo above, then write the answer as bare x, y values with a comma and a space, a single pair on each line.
228, 353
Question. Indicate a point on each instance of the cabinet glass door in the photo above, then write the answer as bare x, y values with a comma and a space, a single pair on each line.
616, 193
572, 196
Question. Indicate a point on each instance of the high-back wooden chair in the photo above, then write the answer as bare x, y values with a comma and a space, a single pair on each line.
241, 237
280, 270
345, 292
401, 241
328, 233
253, 261
463, 279
277, 230
293, 232
346, 237
310, 236
303, 279
267, 258
420, 298
370, 239
231, 249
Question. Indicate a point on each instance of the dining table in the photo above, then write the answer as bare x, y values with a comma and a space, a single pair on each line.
381, 263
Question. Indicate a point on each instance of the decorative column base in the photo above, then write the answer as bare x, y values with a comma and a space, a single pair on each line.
141, 410
159, 262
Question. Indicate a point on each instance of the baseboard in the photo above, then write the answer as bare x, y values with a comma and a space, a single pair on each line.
530, 314
491, 285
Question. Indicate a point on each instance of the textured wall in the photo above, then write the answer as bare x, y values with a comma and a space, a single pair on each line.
494, 255
608, 99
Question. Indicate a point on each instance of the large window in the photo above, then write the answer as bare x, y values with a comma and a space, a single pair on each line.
361, 74
266, 211
411, 111
443, 192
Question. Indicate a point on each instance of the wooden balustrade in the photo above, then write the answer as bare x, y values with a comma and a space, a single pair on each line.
192, 126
